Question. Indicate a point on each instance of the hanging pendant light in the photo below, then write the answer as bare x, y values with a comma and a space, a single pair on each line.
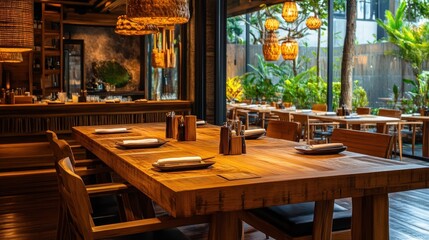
290, 49
158, 12
272, 24
129, 28
16, 25
290, 11
271, 47
313, 22
10, 57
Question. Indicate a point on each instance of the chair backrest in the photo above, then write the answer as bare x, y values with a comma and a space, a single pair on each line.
304, 120
363, 110
320, 107
284, 116
284, 130
74, 193
389, 113
374, 144
62, 149
51, 136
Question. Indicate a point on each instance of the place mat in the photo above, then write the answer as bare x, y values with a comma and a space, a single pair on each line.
238, 176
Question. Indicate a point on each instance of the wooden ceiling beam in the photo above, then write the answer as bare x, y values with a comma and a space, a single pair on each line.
70, 2
238, 7
91, 19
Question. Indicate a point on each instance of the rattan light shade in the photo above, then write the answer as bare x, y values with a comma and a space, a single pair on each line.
10, 57
271, 47
16, 25
290, 11
272, 24
290, 49
158, 12
313, 23
129, 28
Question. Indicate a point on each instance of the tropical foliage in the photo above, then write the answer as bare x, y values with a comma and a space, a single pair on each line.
234, 90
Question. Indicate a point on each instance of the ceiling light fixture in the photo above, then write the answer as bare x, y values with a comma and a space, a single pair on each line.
158, 12
16, 25
126, 27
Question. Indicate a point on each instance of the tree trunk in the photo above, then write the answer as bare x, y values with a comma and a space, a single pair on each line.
348, 53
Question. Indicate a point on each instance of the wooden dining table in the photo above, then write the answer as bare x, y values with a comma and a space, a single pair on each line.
272, 172
355, 121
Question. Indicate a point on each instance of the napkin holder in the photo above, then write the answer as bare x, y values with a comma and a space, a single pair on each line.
231, 143
175, 126
190, 128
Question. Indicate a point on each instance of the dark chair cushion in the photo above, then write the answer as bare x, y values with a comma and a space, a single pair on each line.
297, 219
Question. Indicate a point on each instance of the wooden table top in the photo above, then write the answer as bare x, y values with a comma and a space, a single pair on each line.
358, 119
271, 173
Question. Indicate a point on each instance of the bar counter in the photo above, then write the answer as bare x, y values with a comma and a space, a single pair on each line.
21, 120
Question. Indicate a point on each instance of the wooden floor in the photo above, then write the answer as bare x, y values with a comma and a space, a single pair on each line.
34, 217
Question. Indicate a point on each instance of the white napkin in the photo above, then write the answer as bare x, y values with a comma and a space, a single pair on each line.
325, 146
201, 122
179, 160
111, 130
331, 114
254, 131
140, 141
306, 110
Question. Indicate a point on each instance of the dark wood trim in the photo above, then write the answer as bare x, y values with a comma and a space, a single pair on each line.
200, 60
220, 72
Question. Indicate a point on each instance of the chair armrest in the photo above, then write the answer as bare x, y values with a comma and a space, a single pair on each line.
106, 188
88, 162
145, 225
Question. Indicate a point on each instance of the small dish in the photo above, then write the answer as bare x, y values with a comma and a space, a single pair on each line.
309, 151
159, 143
183, 166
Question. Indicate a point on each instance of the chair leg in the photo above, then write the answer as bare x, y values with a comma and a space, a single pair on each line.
400, 142
413, 140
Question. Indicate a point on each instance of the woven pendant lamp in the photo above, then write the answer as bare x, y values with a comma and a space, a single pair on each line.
158, 12
290, 49
16, 25
126, 27
10, 57
313, 23
272, 24
290, 11
271, 48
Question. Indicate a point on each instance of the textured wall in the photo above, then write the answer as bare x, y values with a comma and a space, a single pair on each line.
102, 44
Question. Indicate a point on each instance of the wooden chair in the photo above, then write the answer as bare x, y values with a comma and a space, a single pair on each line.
374, 144
309, 127
76, 198
395, 128
363, 110
319, 107
284, 130
295, 221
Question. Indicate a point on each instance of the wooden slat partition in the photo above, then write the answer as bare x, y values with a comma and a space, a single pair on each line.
35, 119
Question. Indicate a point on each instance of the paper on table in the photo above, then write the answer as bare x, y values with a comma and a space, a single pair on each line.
325, 146
111, 130
254, 131
179, 160
140, 141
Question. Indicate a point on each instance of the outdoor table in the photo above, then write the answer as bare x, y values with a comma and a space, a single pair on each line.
271, 173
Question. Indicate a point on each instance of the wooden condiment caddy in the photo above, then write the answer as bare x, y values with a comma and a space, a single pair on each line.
232, 141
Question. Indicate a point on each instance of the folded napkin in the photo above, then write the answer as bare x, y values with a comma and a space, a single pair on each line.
325, 146
331, 114
352, 117
111, 130
140, 141
201, 122
179, 160
254, 131
306, 110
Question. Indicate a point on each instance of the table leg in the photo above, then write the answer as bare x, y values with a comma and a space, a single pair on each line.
425, 146
225, 226
370, 217
323, 213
